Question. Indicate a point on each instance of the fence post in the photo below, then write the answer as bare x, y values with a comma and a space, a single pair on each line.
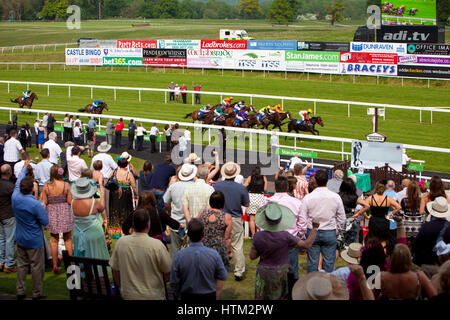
282, 103
209, 135
23, 48
420, 115
7, 67
264, 73
95, 68
49, 66
8, 87
203, 71
192, 99
165, 96
342, 153
251, 100
64, 67
307, 78
48, 90
55, 46
222, 72
33, 49
10, 116
128, 68
354, 79
428, 83
348, 113
44, 48
242, 73
285, 75
431, 116
69, 91
330, 77
79, 67
139, 95
28, 86
315, 106
402, 82
35, 67
92, 92
115, 95
378, 78
21, 67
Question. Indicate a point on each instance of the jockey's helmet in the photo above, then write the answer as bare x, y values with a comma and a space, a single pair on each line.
309, 110
208, 105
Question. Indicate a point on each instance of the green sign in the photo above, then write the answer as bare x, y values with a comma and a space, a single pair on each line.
414, 167
100, 133
125, 61
300, 153
59, 129
312, 56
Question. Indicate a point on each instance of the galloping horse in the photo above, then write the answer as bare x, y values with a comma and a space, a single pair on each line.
307, 127
275, 119
97, 110
28, 102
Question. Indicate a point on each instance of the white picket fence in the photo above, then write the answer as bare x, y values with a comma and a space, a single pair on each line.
222, 94
35, 46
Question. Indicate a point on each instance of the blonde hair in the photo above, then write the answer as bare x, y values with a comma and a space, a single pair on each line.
400, 259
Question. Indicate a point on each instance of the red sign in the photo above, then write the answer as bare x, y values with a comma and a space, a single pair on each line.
165, 62
130, 44
369, 58
224, 44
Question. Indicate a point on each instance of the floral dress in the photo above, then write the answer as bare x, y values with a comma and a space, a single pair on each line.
215, 234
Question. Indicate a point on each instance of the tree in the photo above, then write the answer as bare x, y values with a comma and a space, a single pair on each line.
190, 9
54, 10
114, 8
250, 9
281, 12
336, 11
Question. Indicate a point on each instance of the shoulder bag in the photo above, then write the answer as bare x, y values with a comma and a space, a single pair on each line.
112, 184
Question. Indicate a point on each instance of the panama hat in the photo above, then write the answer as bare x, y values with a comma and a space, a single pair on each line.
83, 188
126, 155
439, 208
352, 254
104, 147
320, 286
193, 159
230, 170
274, 217
187, 172
69, 144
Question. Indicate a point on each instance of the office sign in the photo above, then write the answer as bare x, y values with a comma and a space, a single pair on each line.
431, 49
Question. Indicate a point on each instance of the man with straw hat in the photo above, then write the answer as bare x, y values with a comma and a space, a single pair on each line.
236, 196
273, 246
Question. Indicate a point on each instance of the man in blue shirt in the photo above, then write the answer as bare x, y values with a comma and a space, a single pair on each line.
236, 196
197, 272
42, 170
160, 179
131, 132
31, 217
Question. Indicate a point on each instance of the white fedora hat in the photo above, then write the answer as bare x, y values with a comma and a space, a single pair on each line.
187, 172
104, 147
230, 170
320, 286
439, 208
352, 254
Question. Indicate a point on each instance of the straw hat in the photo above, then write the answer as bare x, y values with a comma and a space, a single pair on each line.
126, 155
187, 172
320, 286
193, 159
83, 188
104, 147
274, 217
352, 254
439, 208
230, 170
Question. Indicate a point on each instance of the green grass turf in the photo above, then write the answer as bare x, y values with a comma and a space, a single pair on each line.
427, 10
401, 126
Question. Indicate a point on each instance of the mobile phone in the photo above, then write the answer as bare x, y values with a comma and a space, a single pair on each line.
398, 214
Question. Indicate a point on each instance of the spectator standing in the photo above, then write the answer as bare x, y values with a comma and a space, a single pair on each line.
88, 233
2, 150
22, 135
70, 128
12, 149
131, 132
175, 196
7, 221
160, 179
168, 134
326, 207
301, 188
145, 177
118, 130
19, 165
140, 133
109, 132
42, 170
139, 261
51, 123
273, 246
66, 128
335, 183
45, 124
236, 196
402, 194
40, 136
197, 88
171, 88
29, 135
36, 131
196, 196
177, 93
256, 185
54, 149
182, 143
297, 229
197, 272
77, 120
436, 190
176, 134
411, 207
108, 166
57, 199
183, 90
77, 134
75, 165
153, 133
90, 136
30, 218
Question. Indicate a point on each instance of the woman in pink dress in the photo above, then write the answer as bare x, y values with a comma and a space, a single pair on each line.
57, 198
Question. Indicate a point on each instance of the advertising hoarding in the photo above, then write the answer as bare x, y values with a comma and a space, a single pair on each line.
123, 61
312, 61
377, 47
114, 52
224, 44
405, 33
259, 60
368, 69
165, 57
323, 46
431, 49
368, 155
178, 44
371, 58
152, 44
84, 56
424, 71
98, 43
206, 58
412, 59
272, 45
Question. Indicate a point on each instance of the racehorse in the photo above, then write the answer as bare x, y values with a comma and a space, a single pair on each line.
275, 119
97, 110
28, 102
250, 123
307, 127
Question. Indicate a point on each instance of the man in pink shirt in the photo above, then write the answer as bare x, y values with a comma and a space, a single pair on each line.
298, 230
75, 165
325, 207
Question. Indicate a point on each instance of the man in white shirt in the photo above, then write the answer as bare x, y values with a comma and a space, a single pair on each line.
54, 149
75, 164
153, 133
77, 133
36, 131
399, 196
77, 121
45, 124
19, 165
294, 160
12, 149
140, 133
326, 207
187, 135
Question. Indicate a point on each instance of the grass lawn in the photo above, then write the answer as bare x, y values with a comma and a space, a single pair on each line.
401, 126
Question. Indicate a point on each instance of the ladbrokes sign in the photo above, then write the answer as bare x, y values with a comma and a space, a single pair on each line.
224, 44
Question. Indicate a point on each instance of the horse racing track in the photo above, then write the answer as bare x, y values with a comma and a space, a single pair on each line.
401, 126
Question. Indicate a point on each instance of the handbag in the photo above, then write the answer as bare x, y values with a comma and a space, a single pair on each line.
112, 184
165, 238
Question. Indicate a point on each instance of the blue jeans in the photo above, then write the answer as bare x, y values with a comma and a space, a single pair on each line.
159, 199
7, 241
325, 243
293, 262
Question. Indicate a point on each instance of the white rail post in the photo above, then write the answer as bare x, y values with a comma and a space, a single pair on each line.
330, 77
282, 103
342, 152
285, 75
115, 94
378, 78
348, 113
49, 66
55, 46
165, 96
354, 79
7, 67
95, 68
33, 49
64, 67
21, 67
251, 100
139, 95
315, 102
222, 72
420, 115
209, 135
384, 113
192, 99
307, 78
23, 48
402, 82
128, 68
35, 67
28, 86
79, 67
432, 116
8, 87
48, 90
69, 91
10, 116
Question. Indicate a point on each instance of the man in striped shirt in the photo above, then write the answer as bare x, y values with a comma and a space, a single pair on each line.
301, 188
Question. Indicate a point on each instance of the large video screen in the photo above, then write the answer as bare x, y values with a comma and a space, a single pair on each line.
408, 12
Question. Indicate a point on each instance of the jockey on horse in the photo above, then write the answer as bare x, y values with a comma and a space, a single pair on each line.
263, 112
96, 104
241, 117
304, 116
219, 113
227, 102
204, 110
26, 94
238, 106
